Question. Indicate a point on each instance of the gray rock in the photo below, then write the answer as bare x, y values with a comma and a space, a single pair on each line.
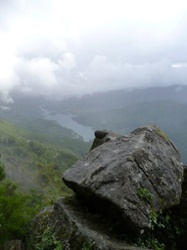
130, 177
103, 136
100, 134
75, 228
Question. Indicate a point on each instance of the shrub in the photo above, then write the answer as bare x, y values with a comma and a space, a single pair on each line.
15, 210
48, 241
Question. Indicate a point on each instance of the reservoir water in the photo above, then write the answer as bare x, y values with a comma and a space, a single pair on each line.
66, 120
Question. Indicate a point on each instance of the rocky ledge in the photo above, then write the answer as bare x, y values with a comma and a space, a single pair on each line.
73, 226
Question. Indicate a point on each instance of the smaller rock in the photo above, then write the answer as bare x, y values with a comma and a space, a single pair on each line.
103, 136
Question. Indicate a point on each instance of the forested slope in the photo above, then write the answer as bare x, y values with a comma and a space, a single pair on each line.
34, 153
36, 157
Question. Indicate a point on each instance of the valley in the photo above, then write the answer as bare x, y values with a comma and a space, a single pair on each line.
38, 144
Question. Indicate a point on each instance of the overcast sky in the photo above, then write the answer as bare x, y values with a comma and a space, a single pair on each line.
72, 47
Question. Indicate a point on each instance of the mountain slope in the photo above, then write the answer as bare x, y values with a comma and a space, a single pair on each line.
35, 159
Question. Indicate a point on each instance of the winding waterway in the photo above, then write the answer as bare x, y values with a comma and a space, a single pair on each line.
66, 121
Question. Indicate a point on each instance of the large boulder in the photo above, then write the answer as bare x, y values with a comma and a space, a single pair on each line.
130, 178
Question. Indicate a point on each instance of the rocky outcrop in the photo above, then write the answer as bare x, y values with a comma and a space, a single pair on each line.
71, 225
129, 177
128, 190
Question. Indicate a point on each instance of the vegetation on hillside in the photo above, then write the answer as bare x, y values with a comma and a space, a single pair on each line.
16, 209
34, 162
44, 144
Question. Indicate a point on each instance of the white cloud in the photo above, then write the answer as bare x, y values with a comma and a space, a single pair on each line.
8, 77
67, 61
37, 73
108, 75
73, 47
5, 99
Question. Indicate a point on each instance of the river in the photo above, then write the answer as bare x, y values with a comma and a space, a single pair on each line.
66, 121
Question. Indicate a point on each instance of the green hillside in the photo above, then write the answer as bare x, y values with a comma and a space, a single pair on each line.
36, 153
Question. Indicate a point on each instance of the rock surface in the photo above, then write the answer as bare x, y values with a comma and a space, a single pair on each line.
130, 177
75, 228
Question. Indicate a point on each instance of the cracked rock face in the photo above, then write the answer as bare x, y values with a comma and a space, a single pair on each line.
130, 177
